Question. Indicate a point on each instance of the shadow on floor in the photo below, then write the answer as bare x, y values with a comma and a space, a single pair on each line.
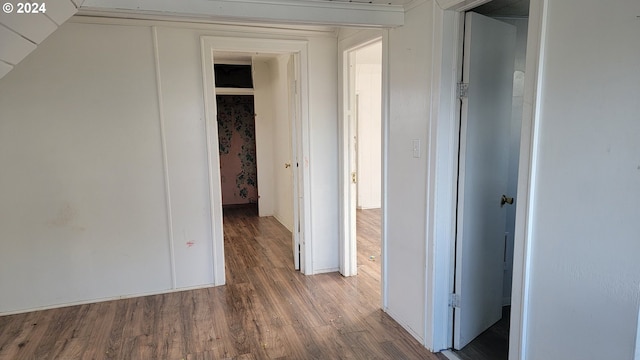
493, 344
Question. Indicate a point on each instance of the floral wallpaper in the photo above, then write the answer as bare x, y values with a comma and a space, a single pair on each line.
237, 140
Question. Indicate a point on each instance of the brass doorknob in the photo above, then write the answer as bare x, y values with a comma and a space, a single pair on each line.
506, 200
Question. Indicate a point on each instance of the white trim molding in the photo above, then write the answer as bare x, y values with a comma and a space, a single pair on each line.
460, 5
529, 144
386, 120
280, 11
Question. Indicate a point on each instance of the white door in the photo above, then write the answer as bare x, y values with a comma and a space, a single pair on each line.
484, 131
295, 166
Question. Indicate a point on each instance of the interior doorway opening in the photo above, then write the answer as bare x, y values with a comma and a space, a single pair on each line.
482, 298
366, 63
362, 105
237, 146
255, 109
280, 76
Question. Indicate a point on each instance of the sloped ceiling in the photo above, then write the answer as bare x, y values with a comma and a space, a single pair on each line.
20, 34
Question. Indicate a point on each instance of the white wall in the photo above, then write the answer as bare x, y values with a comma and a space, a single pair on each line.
83, 196
409, 76
323, 109
183, 111
586, 199
84, 210
369, 140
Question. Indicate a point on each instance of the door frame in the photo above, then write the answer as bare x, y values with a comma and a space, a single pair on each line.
299, 50
443, 143
348, 252
462, 253
347, 249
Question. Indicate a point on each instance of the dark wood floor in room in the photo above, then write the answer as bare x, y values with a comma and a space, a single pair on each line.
266, 311
493, 344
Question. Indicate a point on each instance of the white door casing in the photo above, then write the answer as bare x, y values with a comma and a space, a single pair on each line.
352, 116
489, 50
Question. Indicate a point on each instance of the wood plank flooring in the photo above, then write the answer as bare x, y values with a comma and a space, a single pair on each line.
493, 344
266, 311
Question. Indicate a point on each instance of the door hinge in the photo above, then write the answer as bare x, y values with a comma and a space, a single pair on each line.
463, 90
454, 300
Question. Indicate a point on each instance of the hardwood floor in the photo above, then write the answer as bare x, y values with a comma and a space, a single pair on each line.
266, 311
493, 344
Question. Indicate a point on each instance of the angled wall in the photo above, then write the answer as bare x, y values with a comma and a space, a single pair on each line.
25, 26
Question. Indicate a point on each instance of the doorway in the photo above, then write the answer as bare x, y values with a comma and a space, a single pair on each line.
365, 64
487, 180
362, 152
254, 114
237, 146
295, 74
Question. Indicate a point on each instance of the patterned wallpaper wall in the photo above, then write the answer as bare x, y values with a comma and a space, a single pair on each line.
237, 139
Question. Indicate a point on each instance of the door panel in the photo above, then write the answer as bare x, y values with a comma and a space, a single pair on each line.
295, 170
489, 50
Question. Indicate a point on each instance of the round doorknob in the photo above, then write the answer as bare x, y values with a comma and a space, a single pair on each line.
506, 200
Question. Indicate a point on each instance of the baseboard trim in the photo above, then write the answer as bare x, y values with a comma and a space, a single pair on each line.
324, 271
406, 327
450, 355
94, 301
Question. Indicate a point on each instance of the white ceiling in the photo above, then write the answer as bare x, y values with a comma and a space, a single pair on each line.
376, 13
494, 7
377, 2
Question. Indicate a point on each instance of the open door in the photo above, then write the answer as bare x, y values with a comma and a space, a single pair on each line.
296, 169
489, 50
